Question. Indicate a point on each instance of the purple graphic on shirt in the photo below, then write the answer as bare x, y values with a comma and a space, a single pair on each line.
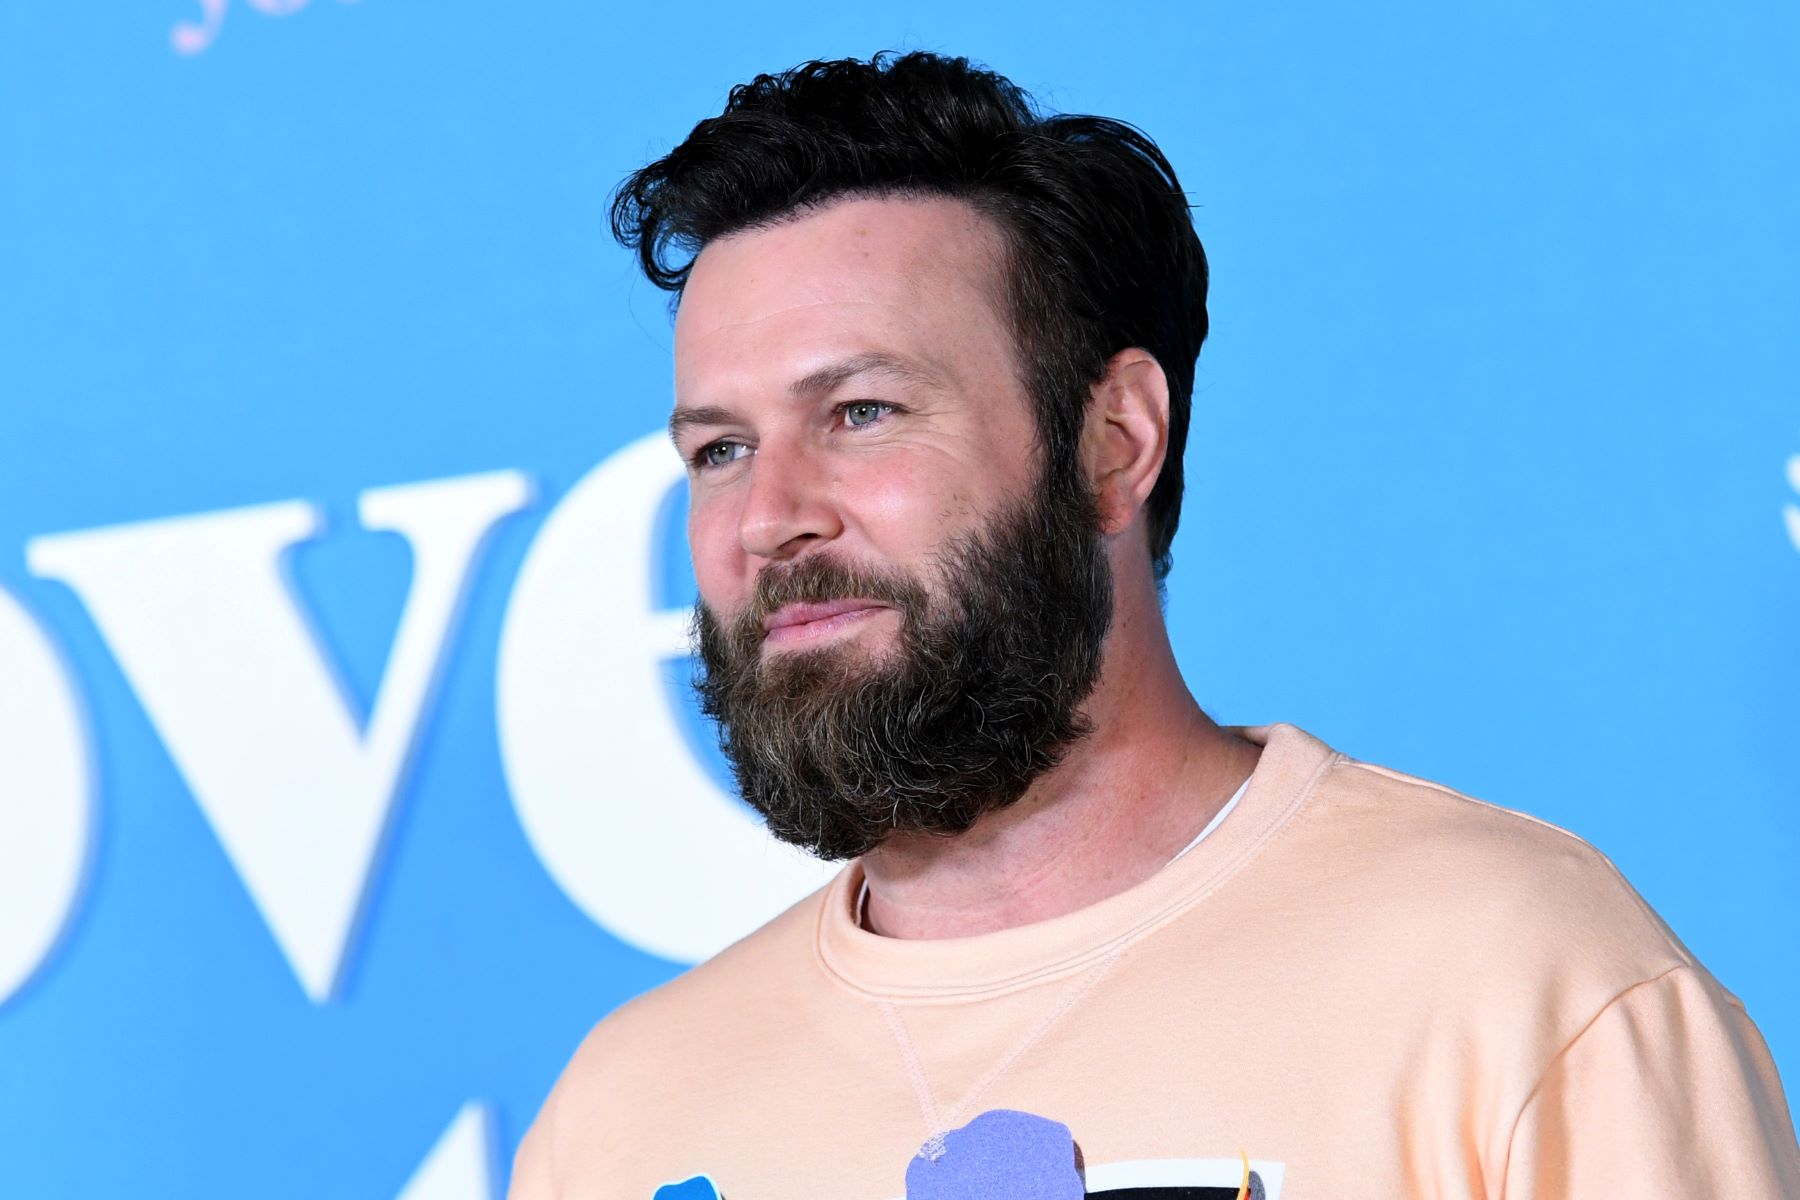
1000, 1155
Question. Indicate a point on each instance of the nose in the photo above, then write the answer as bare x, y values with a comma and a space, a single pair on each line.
788, 505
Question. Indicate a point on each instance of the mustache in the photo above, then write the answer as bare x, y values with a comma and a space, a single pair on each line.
821, 578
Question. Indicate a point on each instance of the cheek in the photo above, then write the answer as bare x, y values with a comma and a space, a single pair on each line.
718, 558
906, 508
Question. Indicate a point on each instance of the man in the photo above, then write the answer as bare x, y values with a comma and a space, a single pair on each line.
933, 364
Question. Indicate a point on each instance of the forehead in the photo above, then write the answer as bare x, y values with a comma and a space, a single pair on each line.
910, 277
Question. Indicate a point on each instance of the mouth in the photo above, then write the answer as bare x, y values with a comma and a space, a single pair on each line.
806, 621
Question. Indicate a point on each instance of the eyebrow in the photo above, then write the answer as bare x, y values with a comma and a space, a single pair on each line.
872, 362
824, 380
706, 414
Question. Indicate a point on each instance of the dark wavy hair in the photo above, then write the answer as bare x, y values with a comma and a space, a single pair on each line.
1101, 250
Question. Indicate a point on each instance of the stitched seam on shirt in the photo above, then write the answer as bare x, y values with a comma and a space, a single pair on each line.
915, 1069
939, 1120
1550, 1065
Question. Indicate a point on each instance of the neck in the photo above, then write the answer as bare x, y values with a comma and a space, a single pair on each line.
1120, 805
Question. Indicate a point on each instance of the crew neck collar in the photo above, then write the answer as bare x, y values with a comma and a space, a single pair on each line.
947, 969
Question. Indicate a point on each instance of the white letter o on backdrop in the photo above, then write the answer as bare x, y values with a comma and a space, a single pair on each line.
610, 796
45, 790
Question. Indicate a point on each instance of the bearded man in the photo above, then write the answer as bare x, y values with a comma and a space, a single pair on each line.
934, 357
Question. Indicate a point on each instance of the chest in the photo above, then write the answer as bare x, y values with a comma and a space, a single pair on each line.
1053, 1095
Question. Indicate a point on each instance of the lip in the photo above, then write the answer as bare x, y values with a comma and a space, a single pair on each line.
798, 622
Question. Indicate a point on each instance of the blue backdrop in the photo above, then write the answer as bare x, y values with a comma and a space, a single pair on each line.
345, 774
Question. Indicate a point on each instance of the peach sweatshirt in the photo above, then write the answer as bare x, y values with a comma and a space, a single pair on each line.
1361, 984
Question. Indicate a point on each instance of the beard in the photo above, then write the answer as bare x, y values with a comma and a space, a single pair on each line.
838, 747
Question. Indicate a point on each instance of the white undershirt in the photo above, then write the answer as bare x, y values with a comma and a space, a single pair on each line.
862, 896
1218, 818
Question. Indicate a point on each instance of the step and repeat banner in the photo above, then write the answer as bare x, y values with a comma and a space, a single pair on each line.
347, 770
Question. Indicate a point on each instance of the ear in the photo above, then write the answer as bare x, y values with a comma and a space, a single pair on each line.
1125, 436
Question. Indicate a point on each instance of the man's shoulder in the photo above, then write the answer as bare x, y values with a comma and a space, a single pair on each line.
716, 1001
1488, 874
1421, 820
637, 1067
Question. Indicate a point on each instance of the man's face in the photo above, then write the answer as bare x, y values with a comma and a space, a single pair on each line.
845, 383
899, 612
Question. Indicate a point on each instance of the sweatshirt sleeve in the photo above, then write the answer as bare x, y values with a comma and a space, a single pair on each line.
1668, 1092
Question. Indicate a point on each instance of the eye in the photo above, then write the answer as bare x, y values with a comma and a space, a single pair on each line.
865, 412
718, 454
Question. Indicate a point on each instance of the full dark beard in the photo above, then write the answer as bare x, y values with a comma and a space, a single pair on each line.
837, 747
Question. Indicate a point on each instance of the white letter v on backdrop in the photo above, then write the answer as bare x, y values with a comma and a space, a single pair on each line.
205, 625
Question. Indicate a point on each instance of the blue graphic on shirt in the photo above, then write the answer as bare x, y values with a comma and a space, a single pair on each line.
1000, 1154
1007, 1155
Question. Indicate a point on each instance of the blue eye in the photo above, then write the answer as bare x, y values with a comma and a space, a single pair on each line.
720, 453
865, 412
